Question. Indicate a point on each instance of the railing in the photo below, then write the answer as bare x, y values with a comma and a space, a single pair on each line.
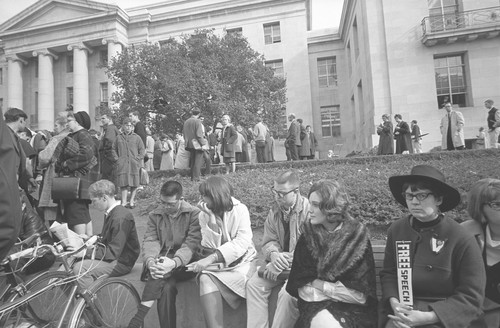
461, 20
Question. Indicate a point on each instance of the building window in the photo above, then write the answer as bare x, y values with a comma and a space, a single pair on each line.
330, 121
327, 72
238, 31
103, 57
69, 64
69, 96
450, 80
277, 66
444, 15
1, 75
104, 93
272, 33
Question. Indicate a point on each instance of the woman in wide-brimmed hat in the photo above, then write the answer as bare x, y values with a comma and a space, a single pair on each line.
445, 287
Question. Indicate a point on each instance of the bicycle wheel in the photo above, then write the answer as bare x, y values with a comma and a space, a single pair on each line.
46, 308
116, 301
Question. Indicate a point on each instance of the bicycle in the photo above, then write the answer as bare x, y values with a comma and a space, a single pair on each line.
46, 300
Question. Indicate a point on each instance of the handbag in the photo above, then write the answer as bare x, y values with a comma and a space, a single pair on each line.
65, 187
143, 176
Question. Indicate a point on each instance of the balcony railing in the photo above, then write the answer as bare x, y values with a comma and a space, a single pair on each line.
457, 21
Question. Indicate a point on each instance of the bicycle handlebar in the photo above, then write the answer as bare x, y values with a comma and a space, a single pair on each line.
32, 251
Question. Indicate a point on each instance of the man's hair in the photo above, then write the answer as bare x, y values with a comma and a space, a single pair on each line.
259, 119
102, 187
414, 121
398, 116
300, 120
109, 116
13, 114
93, 132
195, 111
126, 121
171, 188
289, 177
489, 101
291, 115
446, 103
135, 113
228, 117
61, 120
308, 126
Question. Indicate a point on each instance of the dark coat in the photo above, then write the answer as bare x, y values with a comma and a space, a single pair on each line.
20, 160
455, 276
193, 129
128, 152
10, 205
386, 140
228, 139
293, 137
402, 134
119, 235
107, 161
140, 130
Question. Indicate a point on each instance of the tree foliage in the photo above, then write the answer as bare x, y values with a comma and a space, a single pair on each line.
217, 74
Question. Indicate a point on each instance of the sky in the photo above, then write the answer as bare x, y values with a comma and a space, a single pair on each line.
325, 13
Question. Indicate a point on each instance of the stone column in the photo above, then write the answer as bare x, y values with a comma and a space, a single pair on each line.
15, 81
80, 77
45, 89
114, 49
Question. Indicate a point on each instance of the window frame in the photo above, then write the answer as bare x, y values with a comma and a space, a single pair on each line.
333, 122
333, 76
278, 72
272, 33
69, 63
103, 96
455, 93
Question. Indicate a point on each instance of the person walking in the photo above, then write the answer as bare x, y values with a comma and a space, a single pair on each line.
451, 128
386, 139
416, 137
128, 152
194, 138
493, 123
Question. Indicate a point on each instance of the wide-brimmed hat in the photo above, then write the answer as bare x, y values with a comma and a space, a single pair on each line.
430, 175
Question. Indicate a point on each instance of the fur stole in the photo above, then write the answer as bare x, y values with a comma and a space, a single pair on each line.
339, 251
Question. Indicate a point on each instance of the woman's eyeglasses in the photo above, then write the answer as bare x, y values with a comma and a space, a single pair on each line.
420, 196
494, 205
281, 194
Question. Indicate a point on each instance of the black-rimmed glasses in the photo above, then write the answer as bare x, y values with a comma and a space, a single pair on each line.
420, 196
281, 194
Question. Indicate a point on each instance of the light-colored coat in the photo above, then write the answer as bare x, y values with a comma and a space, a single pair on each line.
274, 233
457, 131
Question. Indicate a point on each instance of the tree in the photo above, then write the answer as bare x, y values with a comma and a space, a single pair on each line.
217, 74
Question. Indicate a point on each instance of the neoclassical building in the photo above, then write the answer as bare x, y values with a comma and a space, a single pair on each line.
386, 56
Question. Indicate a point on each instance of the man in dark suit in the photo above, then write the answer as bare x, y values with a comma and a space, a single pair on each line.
10, 205
109, 134
193, 130
139, 127
293, 138
16, 121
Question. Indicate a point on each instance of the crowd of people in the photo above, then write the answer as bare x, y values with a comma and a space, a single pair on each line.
436, 272
408, 138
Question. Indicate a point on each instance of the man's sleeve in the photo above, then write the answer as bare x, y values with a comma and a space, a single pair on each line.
10, 204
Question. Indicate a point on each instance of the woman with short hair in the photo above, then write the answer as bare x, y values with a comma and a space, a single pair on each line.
226, 241
333, 270
446, 285
484, 208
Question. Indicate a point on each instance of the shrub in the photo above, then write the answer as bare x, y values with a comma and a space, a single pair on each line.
364, 177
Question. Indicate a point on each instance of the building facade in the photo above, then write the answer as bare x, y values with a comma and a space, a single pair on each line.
384, 58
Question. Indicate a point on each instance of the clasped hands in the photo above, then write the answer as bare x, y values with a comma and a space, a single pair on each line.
162, 266
405, 316
279, 263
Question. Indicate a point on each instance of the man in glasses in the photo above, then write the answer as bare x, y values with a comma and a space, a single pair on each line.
281, 233
171, 239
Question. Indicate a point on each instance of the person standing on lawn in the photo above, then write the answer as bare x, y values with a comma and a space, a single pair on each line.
110, 132
172, 237
493, 123
118, 235
281, 232
193, 130
452, 131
